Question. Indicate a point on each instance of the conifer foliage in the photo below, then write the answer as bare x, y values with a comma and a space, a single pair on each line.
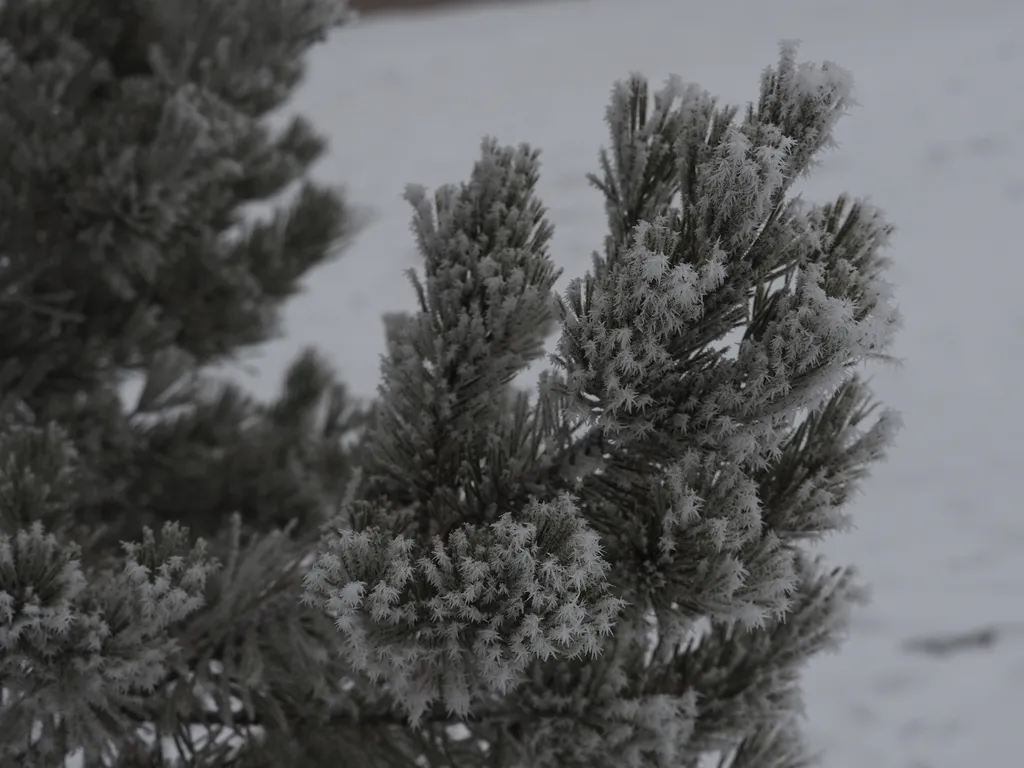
132, 138
611, 569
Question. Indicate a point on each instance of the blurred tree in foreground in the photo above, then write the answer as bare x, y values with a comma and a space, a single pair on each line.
133, 135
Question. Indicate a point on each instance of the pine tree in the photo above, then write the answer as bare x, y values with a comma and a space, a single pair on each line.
614, 570
133, 140
611, 570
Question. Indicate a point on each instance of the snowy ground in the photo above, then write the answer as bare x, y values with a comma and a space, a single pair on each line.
938, 142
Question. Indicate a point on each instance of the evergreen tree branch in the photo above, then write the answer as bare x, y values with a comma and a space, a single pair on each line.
80, 648
485, 307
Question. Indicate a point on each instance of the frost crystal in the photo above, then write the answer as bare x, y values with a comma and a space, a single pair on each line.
466, 616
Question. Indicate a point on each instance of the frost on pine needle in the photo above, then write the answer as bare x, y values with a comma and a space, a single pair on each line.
464, 617
611, 730
80, 643
99, 639
645, 301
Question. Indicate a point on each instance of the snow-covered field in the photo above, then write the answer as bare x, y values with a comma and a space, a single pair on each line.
938, 142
